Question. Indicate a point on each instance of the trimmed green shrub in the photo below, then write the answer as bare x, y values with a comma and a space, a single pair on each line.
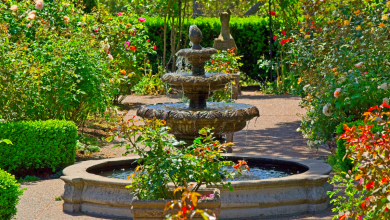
250, 35
9, 195
338, 161
37, 144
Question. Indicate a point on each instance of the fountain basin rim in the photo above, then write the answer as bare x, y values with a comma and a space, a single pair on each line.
317, 171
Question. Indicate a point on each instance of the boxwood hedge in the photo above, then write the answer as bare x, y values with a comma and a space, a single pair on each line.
37, 144
9, 195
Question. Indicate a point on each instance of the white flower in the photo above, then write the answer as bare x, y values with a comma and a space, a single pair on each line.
32, 12
325, 110
312, 109
31, 17
383, 86
109, 57
29, 25
386, 101
358, 65
299, 129
306, 87
356, 80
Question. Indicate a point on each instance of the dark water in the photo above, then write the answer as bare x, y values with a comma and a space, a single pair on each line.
211, 106
257, 172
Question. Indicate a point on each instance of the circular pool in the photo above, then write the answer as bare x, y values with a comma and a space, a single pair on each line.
301, 189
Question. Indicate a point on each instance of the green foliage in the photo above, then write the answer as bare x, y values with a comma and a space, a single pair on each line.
28, 178
339, 161
163, 163
37, 144
250, 35
9, 195
224, 62
87, 148
151, 84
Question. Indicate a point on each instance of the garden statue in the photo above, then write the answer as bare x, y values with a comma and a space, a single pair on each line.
225, 40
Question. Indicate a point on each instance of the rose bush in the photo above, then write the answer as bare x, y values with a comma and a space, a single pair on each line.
367, 192
124, 36
340, 55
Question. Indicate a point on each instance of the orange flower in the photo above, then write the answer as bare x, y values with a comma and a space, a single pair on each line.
128, 25
133, 48
123, 72
382, 25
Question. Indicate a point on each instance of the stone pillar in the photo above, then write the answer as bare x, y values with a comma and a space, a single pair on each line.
225, 40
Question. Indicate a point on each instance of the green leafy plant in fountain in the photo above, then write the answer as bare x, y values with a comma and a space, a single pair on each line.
9, 195
161, 162
367, 184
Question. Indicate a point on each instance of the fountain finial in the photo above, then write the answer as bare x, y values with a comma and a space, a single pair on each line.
195, 36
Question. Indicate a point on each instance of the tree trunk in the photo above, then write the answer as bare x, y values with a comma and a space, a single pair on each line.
255, 8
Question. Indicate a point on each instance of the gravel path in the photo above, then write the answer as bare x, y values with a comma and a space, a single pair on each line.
274, 132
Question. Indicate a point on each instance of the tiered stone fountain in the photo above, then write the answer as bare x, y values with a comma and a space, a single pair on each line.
90, 193
185, 120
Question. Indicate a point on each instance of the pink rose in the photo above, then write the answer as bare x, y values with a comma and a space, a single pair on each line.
29, 25
119, 13
14, 8
39, 4
148, 40
32, 12
31, 17
155, 47
141, 19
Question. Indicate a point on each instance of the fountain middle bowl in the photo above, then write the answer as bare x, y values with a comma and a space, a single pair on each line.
188, 83
186, 122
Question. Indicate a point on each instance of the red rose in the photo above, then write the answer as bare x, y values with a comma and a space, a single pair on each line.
272, 13
275, 37
370, 185
283, 32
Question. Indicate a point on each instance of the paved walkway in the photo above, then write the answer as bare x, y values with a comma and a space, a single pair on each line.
274, 132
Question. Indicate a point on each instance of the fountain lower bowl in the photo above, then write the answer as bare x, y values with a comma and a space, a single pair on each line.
185, 122
96, 195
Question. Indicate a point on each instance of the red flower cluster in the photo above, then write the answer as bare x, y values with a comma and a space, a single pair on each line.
284, 41
272, 13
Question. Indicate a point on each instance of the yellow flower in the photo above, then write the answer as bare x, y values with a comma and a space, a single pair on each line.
382, 25
346, 22
299, 80
302, 29
358, 28
385, 16
372, 30
388, 4
307, 36
356, 12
